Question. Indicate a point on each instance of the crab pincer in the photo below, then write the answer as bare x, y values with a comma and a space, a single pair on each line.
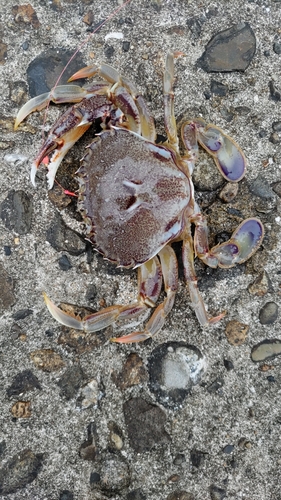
136, 197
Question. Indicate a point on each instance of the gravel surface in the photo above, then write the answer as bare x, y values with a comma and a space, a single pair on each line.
83, 418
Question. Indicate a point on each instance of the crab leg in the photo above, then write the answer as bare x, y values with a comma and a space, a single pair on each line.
170, 274
243, 243
169, 115
191, 282
228, 156
149, 285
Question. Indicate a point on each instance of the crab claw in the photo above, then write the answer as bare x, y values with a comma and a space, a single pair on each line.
227, 155
59, 95
36, 104
244, 242
85, 72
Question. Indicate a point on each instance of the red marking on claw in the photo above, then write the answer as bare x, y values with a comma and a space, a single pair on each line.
46, 160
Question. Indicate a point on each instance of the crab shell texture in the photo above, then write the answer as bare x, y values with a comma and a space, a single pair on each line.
132, 196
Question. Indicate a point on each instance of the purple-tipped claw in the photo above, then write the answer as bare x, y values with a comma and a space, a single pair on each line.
226, 253
248, 237
228, 156
230, 161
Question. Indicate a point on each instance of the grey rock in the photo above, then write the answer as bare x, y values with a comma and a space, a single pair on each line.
260, 187
7, 296
114, 474
265, 350
71, 381
228, 449
66, 495
180, 495
268, 313
136, 495
230, 50
277, 48
217, 493
145, 424
21, 470
64, 263
64, 239
16, 212
23, 382
276, 126
45, 69
274, 93
197, 457
219, 88
21, 314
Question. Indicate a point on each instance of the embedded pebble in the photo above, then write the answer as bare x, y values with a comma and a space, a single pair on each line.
21, 470
3, 447
21, 409
195, 26
47, 360
64, 263
260, 187
205, 176
136, 495
228, 364
268, 313
22, 314
3, 52
261, 285
23, 382
66, 495
125, 46
45, 69
71, 382
276, 126
274, 138
277, 48
116, 437
90, 395
132, 373
229, 191
230, 50
7, 296
145, 424
180, 495
114, 474
179, 459
277, 188
197, 457
219, 88
174, 368
25, 14
215, 387
80, 341
228, 449
64, 239
88, 449
267, 349
57, 196
236, 332
274, 94
217, 493
16, 212
227, 114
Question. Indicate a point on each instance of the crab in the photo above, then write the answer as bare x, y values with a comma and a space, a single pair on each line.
136, 197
